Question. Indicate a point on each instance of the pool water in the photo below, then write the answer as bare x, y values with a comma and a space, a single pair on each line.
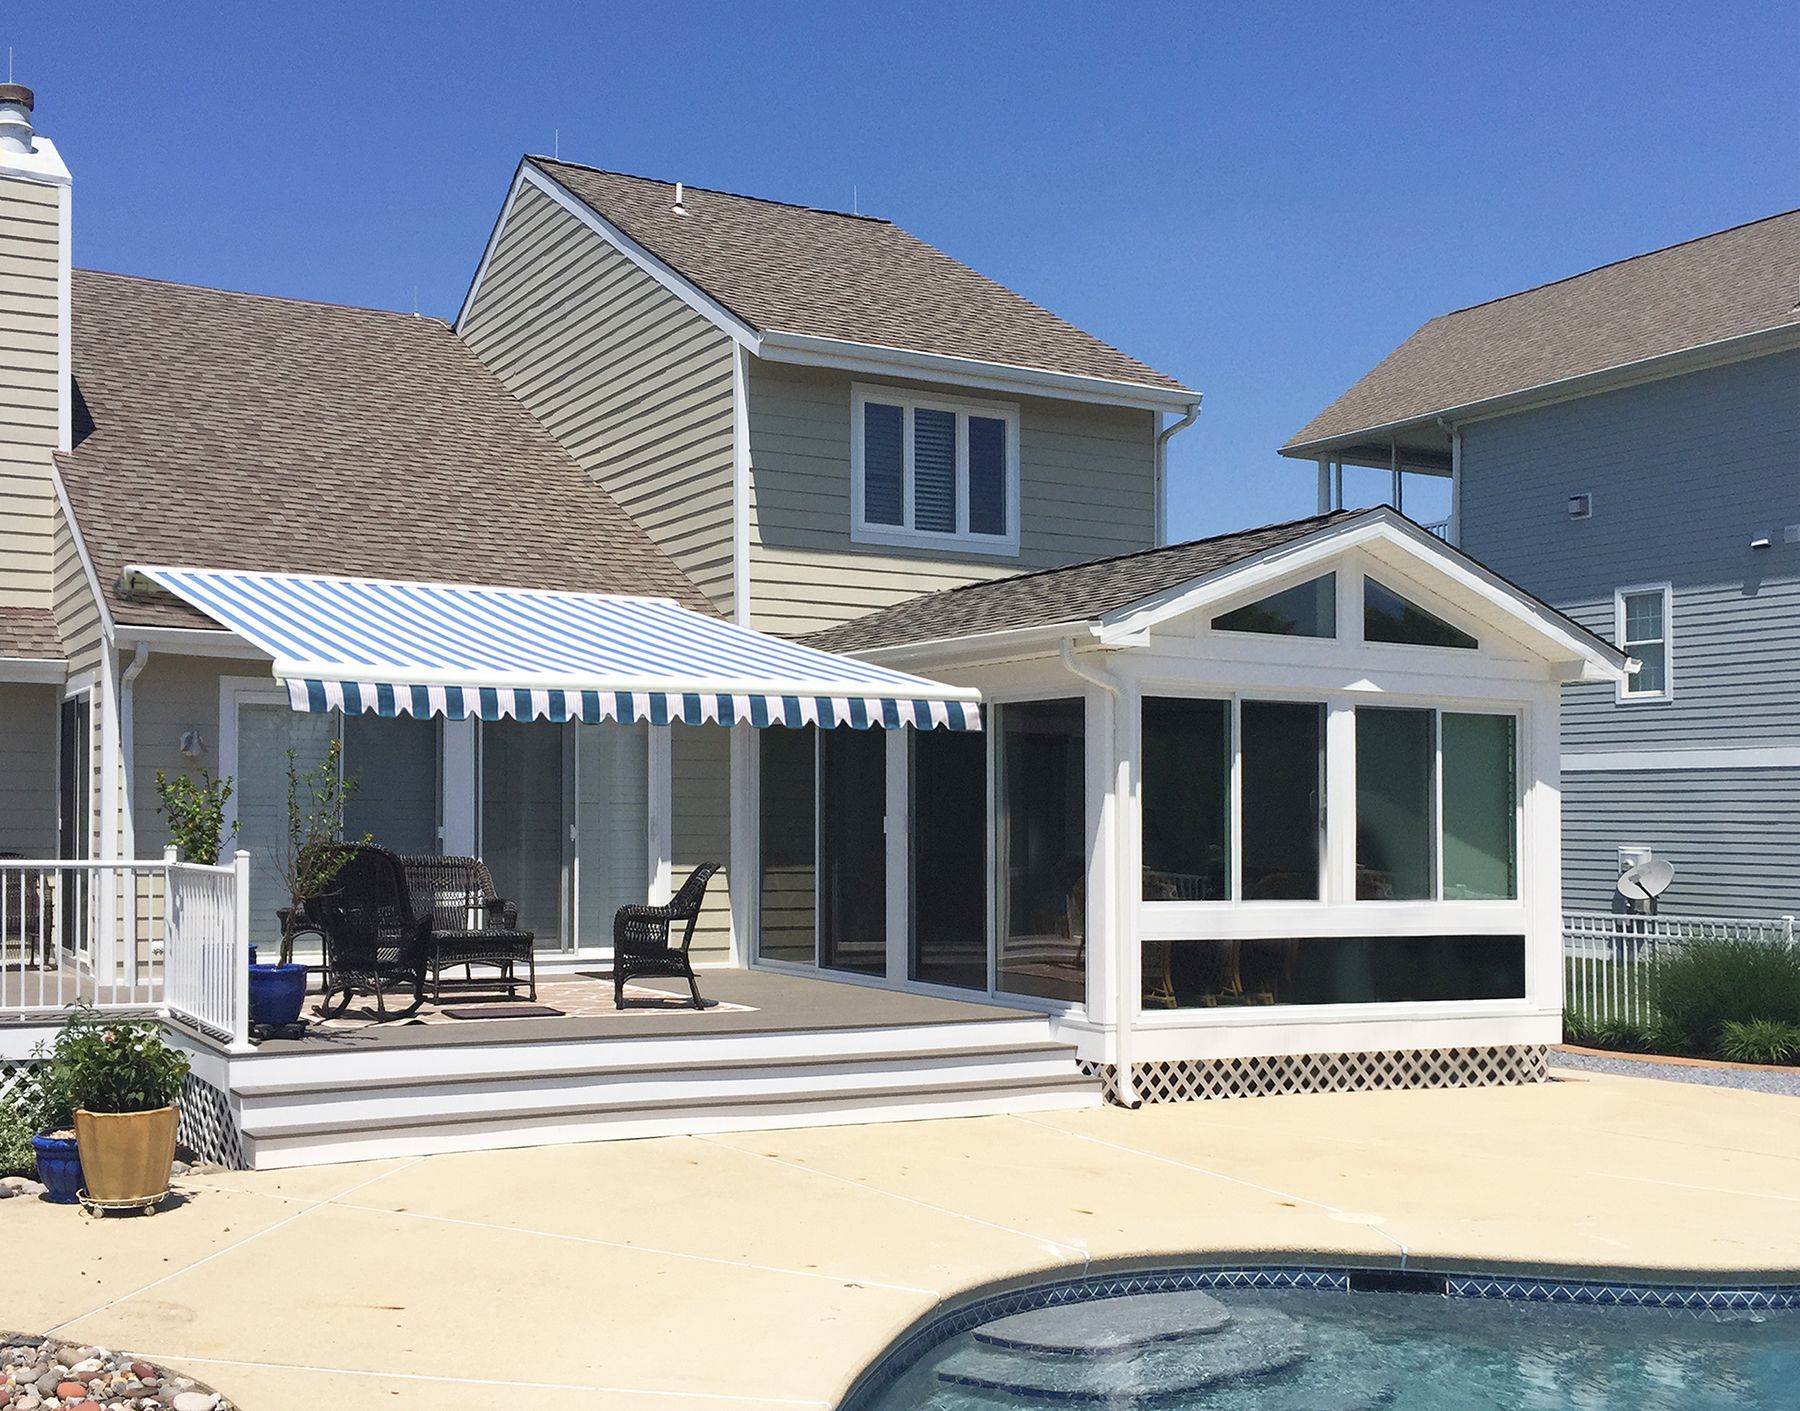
1306, 1350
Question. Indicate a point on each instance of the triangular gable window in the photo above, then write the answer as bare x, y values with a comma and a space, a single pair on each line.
1388, 617
1305, 610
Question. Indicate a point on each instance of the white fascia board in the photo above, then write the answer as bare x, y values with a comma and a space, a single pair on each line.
811, 350
1737, 348
191, 641
51, 671
1128, 624
977, 647
664, 274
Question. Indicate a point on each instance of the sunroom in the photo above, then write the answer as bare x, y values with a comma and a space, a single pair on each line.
1281, 794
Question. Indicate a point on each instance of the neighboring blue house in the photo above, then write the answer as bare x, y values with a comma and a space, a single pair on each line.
1625, 444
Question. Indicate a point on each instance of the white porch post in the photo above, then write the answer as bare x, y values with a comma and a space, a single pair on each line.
458, 789
1324, 485
898, 826
661, 814
744, 848
1104, 1003
1540, 851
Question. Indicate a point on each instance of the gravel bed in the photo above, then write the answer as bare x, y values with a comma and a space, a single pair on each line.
1786, 1084
48, 1374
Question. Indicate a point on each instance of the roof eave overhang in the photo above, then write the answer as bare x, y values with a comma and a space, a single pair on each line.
27, 670
813, 350
1760, 343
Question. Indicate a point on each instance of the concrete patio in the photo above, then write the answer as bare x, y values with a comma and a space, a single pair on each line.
769, 1268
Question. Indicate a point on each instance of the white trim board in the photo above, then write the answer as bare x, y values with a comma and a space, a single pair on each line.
1727, 757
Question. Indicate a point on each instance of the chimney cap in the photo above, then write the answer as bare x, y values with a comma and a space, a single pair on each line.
17, 93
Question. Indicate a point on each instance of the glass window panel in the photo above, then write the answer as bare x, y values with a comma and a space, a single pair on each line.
1283, 791
265, 735
1040, 848
394, 761
884, 465
612, 826
788, 898
949, 858
853, 850
1652, 675
1481, 794
934, 470
1337, 970
1186, 799
1388, 617
1395, 819
524, 829
1305, 610
987, 475
1643, 617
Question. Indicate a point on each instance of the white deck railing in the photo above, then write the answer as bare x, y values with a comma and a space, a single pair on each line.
1608, 957
153, 938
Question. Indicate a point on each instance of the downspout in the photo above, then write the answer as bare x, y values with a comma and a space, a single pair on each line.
1162, 470
1124, 1084
128, 746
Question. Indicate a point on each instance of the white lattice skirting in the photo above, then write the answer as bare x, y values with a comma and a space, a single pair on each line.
1194, 1079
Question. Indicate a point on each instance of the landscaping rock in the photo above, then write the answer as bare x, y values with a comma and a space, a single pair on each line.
38, 1374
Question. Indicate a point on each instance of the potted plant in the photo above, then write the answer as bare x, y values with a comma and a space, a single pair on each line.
44, 1102
308, 862
196, 813
122, 1081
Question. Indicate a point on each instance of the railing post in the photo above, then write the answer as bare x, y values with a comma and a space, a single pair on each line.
240, 950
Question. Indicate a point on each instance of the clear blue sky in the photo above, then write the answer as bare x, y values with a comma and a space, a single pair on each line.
1261, 199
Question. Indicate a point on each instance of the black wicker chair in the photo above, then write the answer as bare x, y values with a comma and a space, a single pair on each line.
470, 926
28, 912
374, 943
641, 937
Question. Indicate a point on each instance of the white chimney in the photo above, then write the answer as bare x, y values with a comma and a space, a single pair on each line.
15, 118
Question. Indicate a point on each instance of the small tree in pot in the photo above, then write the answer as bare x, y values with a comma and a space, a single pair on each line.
196, 813
122, 1081
308, 863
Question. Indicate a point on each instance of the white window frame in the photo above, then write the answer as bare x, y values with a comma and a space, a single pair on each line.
962, 540
1626, 696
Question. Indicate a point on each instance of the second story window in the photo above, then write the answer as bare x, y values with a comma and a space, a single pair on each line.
1642, 616
932, 471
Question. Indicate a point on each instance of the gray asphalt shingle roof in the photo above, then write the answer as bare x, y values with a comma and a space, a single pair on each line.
796, 269
1077, 593
226, 430
30, 633
1720, 286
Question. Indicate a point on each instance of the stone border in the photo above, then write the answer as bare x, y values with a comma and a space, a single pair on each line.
36, 1370
901, 1356
1746, 1077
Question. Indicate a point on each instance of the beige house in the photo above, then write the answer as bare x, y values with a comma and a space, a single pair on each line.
814, 438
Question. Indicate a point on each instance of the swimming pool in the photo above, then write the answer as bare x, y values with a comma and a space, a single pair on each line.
1342, 1340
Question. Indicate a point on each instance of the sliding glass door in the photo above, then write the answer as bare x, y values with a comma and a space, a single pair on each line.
1040, 848
612, 825
526, 833
853, 850
949, 938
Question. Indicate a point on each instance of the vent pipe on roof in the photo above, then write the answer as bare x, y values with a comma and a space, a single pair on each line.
16, 102
680, 209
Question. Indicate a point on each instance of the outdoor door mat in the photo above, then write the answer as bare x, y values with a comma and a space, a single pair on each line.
501, 1011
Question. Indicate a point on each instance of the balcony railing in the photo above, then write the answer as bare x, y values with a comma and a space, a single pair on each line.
130, 937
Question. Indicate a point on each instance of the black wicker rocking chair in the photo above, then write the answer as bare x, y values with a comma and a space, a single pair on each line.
374, 944
641, 943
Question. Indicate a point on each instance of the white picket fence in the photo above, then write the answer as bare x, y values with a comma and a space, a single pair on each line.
130, 937
1608, 957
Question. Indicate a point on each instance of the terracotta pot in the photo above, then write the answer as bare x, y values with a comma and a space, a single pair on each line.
126, 1156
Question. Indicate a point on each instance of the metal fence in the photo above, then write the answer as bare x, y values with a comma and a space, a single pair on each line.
153, 938
1608, 957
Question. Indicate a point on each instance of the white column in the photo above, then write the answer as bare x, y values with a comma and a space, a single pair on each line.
1128, 955
899, 855
1103, 862
661, 813
743, 870
1540, 850
458, 791
1324, 485
1340, 802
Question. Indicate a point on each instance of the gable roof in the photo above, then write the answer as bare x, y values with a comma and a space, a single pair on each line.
855, 279
226, 430
1729, 285
1133, 591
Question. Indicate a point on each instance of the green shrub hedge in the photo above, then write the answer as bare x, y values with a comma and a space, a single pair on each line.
1697, 990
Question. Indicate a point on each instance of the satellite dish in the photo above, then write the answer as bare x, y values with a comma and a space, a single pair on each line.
1647, 881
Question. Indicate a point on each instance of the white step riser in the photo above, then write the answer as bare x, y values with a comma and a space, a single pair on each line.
268, 1116
267, 1153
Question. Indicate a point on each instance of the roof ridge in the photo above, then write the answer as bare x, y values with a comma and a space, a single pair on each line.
1324, 518
267, 298
709, 190
1611, 264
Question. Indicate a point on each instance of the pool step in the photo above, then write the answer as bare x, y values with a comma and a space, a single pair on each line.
1108, 1326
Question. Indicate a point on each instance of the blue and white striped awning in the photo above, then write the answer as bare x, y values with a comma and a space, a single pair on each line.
360, 644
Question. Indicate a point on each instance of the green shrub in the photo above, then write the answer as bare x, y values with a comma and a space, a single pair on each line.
1577, 1027
1759, 1040
1621, 1034
115, 1067
1706, 983
196, 813
17, 1156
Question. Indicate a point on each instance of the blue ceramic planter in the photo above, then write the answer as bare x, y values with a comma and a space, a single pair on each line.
276, 994
59, 1168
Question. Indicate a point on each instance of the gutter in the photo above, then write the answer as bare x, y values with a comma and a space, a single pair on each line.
1163, 438
128, 745
1124, 1083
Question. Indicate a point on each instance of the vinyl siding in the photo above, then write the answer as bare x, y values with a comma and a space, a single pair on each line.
636, 385
1683, 473
1087, 488
28, 768
78, 619
172, 695
29, 267
1730, 833
700, 826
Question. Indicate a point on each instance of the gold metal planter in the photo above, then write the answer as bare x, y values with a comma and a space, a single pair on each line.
126, 1156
